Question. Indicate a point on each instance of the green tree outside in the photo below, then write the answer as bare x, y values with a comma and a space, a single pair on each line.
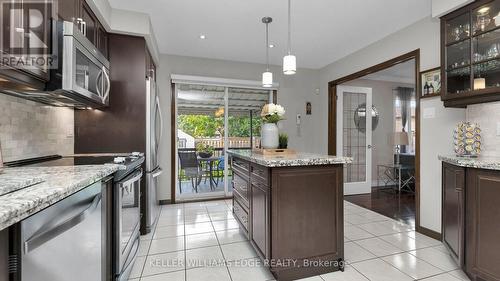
209, 126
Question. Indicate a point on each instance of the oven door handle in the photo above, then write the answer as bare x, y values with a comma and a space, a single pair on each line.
45, 235
133, 178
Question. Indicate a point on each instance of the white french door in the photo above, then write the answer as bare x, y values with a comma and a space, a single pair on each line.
354, 137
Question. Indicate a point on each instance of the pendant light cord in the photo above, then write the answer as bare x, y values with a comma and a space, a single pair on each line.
289, 27
267, 46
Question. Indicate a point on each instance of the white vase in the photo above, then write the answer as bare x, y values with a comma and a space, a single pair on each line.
270, 136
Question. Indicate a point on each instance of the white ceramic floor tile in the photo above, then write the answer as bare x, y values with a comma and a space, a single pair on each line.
225, 225
168, 221
349, 274
208, 274
148, 236
354, 253
196, 228
249, 270
167, 213
196, 218
231, 236
423, 239
192, 212
353, 233
379, 270
163, 263
442, 248
165, 245
381, 228
314, 278
459, 274
216, 209
441, 277
412, 266
143, 248
204, 257
378, 247
169, 231
201, 240
356, 219
436, 258
137, 268
171, 276
220, 216
238, 251
404, 242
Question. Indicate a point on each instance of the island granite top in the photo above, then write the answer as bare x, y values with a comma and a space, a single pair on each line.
299, 159
481, 162
58, 183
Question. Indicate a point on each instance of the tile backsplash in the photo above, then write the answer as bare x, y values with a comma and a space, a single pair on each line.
487, 115
29, 129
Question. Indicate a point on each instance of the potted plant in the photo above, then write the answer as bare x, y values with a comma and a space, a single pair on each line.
271, 114
283, 141
204, 150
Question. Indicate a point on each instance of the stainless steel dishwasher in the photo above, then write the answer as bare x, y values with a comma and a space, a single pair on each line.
66, 241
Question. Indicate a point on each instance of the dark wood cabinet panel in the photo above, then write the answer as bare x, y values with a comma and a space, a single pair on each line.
260, 219
68, 10
483, 224
4, 255
102, 40
90, 22
453, 210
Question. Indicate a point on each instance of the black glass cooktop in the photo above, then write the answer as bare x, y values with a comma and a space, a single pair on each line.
57, 160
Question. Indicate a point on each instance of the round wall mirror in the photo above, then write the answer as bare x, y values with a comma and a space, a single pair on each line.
360, 117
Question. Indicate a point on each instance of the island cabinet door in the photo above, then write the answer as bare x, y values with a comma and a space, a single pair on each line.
453, 210
260, 218
483, 224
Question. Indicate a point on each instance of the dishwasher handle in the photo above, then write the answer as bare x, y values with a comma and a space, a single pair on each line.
45, 235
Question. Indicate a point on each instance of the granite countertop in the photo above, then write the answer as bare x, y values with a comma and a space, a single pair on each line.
299, 159
481, 162
58, 183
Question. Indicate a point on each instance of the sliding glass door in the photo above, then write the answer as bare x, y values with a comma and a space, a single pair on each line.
211, 120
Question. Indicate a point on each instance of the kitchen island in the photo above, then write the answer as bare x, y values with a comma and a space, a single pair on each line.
291, 208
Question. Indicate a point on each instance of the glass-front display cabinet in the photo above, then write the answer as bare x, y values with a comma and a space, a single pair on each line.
470, 54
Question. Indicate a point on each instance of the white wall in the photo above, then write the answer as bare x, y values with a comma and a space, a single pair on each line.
442, 7
293, 94
425, 36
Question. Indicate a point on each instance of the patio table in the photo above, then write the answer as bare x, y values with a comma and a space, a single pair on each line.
210, 162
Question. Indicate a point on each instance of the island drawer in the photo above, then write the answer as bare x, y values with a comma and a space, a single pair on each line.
240, 165
240, 213
259, 173
241, 185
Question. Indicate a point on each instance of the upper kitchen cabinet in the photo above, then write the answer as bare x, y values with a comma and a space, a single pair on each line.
470, 54
26, 42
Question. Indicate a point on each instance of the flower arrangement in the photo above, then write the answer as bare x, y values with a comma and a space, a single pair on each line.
204, 150
272, 113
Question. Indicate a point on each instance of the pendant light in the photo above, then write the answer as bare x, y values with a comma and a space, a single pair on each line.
267, 76
289, 61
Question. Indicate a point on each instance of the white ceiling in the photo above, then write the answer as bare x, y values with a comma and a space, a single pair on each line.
402, 73
323, 31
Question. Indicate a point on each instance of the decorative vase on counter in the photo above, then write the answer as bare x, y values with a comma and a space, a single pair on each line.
270, 136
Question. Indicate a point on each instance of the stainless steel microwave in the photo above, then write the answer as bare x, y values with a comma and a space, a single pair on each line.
81, 78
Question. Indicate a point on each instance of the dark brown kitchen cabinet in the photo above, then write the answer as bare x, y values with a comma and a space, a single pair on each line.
471, 220
295, 213
68, 10
102, 40
483, 224
4, 255
453, 210
470, 54
260, 218
90, 23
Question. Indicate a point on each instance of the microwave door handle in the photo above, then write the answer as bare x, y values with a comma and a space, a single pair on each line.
98, 78
45, 235
108, 85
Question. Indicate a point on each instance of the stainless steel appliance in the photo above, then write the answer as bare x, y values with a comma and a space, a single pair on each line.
81, 79
66, 241
125, 221
154, 132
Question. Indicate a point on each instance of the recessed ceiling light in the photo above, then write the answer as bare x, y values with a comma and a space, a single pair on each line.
202, 36
271, 45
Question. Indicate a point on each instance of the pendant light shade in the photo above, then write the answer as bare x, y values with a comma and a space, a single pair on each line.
267, 76
289, 65
289, 61
267, 79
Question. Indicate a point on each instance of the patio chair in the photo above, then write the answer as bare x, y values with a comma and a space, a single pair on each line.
189, 163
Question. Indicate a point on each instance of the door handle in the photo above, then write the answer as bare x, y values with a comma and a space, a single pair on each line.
157, 173
161, 120
45, 235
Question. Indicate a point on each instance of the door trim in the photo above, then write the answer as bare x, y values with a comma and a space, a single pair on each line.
332, 115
